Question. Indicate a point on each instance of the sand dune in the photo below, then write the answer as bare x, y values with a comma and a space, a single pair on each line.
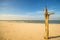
27, 31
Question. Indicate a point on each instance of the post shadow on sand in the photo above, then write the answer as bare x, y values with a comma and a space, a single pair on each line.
54, 37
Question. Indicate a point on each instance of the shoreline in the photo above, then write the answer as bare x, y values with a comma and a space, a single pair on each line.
26, 22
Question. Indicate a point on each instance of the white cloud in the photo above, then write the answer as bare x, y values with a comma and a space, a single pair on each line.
39, 12
28, 16
50, 10
16, 17
42, 12
55, 17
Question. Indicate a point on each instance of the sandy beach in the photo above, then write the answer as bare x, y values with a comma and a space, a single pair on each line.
27, 31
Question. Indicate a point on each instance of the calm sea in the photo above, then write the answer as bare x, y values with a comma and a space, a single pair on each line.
36, 21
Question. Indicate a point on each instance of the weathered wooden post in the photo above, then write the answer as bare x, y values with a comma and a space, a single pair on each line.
46, 23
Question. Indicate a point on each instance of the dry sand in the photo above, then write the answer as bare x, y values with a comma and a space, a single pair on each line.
27, 31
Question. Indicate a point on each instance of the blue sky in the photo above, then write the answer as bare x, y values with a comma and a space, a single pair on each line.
28, 9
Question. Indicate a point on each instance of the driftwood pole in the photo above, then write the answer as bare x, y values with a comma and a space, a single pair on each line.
46, 23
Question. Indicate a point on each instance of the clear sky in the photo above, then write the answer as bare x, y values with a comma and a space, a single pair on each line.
28, 9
